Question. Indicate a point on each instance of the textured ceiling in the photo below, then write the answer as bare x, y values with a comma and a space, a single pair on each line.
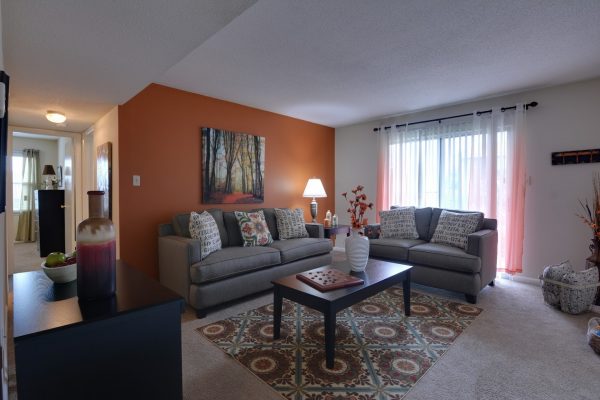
333, 62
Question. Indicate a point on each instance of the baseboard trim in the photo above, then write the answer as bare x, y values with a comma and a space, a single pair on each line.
522, 279
336, 248
595, 309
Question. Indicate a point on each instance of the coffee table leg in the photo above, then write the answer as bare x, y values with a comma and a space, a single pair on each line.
277, 304
406, 290
329, 338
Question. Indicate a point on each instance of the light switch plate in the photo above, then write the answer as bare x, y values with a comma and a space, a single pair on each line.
136, 180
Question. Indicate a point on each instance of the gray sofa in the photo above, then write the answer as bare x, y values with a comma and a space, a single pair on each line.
439, 265
234, 271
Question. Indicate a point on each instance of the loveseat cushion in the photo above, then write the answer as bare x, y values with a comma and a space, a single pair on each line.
295, 249
444, 257
435, 216
394, 249
399, 223
454, 228
232, 261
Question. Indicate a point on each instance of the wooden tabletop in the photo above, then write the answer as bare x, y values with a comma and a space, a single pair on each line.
376, 271
41, 305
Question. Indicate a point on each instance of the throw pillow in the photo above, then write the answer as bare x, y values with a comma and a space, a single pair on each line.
290, 223
453, 228
399, 223
203, 227
253, 228
579, 291
551, 291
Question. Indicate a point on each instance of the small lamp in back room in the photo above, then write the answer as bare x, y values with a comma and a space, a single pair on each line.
314, 188
48, 173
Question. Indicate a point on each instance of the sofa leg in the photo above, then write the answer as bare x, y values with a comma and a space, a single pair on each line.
200, 313
492, 284
471, 299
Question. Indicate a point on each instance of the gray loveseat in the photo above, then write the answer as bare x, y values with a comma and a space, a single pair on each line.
439, 265
234, 271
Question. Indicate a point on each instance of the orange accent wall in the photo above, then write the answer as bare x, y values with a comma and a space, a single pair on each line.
160, 140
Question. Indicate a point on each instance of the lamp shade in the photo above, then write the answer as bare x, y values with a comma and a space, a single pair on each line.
314, 188
48, 170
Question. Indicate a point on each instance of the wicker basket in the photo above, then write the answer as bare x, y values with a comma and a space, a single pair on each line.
593, 334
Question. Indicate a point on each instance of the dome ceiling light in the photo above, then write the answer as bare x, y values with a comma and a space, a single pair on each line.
56, 117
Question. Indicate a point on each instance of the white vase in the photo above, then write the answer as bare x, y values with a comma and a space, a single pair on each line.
357, 251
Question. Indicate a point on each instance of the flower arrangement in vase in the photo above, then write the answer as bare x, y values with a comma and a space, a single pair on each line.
357, 246
591, 217
357, 207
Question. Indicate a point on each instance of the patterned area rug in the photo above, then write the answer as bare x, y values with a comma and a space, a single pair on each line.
379, 353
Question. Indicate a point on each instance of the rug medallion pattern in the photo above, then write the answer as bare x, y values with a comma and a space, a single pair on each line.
379, 353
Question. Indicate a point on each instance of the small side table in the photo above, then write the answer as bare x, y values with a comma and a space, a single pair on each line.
332, 231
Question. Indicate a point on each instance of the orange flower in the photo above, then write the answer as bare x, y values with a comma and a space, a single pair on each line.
358, 206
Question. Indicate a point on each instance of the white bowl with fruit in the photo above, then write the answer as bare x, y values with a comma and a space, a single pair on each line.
60, 268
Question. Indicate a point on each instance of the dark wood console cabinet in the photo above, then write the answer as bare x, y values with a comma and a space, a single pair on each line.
125, 347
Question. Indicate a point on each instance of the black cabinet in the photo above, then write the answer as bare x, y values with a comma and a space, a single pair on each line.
124, 347
50, 221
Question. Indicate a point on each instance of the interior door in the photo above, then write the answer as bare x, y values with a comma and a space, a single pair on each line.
67, 181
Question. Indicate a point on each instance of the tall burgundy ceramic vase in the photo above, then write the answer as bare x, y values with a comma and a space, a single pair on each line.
96, 253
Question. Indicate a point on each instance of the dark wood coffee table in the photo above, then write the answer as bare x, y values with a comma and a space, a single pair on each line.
378, 276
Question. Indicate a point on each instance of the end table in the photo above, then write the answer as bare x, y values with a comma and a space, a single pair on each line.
332, 231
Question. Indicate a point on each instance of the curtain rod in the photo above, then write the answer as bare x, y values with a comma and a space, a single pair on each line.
532, 104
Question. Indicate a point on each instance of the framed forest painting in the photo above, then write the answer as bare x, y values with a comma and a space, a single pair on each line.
233, 167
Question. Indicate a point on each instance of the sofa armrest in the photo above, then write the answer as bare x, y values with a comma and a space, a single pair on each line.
484, 244
175, 256
315, 230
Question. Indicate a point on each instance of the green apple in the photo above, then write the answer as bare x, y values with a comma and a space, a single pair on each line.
55, 259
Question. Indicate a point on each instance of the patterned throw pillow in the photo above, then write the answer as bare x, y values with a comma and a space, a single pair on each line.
203, 227
579, 291
551, 291
453, 228
399, 223
290, 223
253, 228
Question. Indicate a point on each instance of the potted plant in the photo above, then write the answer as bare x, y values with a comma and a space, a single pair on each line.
357, 245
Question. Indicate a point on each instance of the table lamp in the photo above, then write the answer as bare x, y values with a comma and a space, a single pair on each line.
48, 173
314, 188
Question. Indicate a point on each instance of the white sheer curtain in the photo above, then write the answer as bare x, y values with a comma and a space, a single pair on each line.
470, 163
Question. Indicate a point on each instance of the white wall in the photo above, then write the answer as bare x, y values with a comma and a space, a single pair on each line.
106, 129
48, 150
565, 119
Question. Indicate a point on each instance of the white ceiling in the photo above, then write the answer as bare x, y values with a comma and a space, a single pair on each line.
334, 62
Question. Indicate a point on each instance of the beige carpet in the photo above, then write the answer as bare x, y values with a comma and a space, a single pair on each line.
518, 348
27, 257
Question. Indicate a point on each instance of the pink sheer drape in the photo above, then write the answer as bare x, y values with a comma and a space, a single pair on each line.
477, 164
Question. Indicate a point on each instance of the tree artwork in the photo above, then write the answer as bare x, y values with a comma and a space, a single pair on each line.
233, 167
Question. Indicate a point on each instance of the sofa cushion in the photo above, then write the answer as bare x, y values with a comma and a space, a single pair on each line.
232, 261
253, 228
181, 223
295, 249
232, 227
204, 228
399, 223
394, 249
453, 228
422, 220
290, 223
444, 257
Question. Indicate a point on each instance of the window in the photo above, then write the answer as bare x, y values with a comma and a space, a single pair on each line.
17, 173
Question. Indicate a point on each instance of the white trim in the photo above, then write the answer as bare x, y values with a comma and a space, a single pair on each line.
521, 278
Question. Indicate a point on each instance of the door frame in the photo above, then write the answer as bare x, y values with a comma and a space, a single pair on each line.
77, 184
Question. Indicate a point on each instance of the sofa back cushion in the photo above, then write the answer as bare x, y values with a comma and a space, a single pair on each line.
181, 225
233, 229
422, 220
